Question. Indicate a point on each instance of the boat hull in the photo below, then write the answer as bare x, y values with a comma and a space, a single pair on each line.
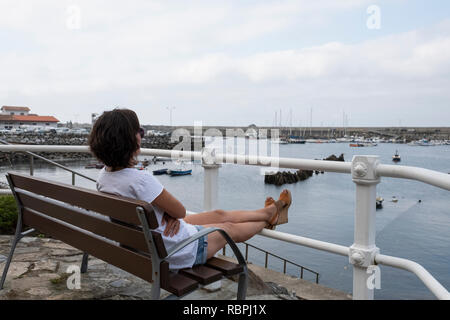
179, 172
160, 172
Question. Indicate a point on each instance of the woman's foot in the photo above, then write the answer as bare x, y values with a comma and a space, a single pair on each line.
282, 206
269, 201
274, 217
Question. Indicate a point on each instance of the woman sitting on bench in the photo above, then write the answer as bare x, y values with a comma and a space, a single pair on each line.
115, 140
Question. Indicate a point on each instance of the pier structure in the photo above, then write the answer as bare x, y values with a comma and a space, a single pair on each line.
365, 171
398, 133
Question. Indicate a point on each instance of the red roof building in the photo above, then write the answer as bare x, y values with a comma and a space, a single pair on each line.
14, 117
15, 109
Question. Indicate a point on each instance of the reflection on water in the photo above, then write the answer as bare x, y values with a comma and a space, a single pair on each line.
323, 209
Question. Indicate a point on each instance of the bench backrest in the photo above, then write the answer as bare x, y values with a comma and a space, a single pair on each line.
79, 217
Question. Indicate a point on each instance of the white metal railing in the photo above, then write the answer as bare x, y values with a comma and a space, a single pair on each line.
366, 172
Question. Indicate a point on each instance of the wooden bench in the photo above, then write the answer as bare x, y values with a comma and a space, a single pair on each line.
116, 230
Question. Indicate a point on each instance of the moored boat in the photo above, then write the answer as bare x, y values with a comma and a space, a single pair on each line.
179, 172
296, 140
159, 172
94, 166
379, 203
363, 144
280, 141
396, 157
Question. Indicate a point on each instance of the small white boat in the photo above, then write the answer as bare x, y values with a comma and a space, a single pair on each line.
280, 141
396, 157
379, 203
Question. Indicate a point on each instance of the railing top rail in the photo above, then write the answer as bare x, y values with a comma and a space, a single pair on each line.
51, 162
434, 178
437, 179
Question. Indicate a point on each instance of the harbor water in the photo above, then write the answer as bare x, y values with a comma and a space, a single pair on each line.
416, 227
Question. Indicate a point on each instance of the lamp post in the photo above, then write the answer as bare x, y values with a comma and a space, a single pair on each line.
170, 110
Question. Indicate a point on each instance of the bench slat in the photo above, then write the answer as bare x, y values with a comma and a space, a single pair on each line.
125, 235
124, 259
226, 267
202, 274
180, 285
120, 208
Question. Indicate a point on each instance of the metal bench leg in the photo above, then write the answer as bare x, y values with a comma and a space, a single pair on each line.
84, 263
242, 285
16, 240
156, 289
19, 235
8, 262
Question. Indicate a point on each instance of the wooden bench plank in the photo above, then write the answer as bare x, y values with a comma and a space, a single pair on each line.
120, 208
179, 284
130, 237
122, 258
202, 274
226, 267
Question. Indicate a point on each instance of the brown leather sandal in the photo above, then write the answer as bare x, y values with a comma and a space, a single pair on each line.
272, 223
286, 198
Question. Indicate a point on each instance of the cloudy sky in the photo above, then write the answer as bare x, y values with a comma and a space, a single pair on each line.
230, 62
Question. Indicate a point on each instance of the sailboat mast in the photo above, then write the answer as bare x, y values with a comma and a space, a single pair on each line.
290, 125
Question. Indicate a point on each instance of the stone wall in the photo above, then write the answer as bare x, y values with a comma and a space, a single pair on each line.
157, 142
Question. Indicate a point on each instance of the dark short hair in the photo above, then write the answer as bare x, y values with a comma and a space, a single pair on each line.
113, 138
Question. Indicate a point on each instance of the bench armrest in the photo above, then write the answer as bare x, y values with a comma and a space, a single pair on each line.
207, 231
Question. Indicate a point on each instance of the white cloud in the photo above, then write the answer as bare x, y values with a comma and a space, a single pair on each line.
153, 48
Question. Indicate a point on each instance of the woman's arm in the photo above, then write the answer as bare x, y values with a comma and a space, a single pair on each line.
170, 205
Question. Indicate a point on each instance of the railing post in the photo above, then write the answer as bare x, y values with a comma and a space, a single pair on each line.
210, 192
362, 252
31, 165
211, 180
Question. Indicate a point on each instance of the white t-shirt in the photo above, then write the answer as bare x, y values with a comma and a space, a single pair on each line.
141, 185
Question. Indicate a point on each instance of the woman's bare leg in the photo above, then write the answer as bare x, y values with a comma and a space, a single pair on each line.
239, 232
233, 216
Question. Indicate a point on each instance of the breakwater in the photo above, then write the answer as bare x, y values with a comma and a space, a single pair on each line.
283, 177
6, 158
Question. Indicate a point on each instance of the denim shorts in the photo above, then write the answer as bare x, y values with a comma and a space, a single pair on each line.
202, 249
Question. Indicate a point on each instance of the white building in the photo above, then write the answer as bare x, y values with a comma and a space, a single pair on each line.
14, 117
15, 111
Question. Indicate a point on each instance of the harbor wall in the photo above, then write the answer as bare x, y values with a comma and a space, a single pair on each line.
400, 133
157, 142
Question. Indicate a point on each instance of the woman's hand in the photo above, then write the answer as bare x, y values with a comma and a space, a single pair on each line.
173, 225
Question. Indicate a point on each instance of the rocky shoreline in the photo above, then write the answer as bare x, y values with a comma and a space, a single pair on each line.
8, 158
